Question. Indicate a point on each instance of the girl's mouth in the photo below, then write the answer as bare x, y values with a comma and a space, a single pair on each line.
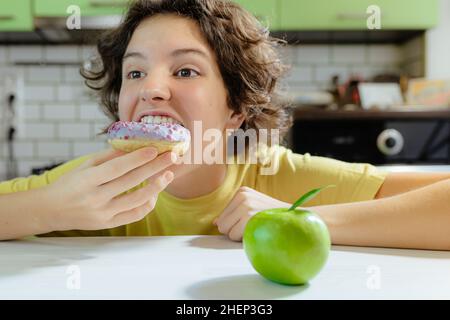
160, 120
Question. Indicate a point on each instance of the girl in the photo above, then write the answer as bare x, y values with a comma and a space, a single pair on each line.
211, 61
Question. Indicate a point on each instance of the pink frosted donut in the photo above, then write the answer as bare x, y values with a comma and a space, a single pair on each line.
130, 136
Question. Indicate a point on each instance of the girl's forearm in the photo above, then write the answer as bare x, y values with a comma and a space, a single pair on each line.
23, 214
416, 219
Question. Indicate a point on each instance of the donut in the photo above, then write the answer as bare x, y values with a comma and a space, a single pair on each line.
130, 135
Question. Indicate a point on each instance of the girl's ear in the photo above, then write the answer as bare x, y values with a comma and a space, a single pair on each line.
235, 120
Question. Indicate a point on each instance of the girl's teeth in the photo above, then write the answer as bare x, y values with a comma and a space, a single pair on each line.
158, 119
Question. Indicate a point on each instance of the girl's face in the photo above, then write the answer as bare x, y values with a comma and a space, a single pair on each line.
169, 67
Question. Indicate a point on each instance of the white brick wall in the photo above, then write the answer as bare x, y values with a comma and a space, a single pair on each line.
324, 73
38, 130
312, 66
313, 54
56, 150
384, 54
62, 53
2, 55
69, 93
26, 53
23, 149
300, 73
91, 111
59, 111
61, 117
348, 54
82, 148
73, 130
72, 74
39, 92
33, 112
43, 74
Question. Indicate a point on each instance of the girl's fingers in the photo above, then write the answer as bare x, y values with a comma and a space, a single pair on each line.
229, 221
105, 155
98, 158
136, 176
137, 198
130, 216
237, 231
118, 166
232, 205
141, 211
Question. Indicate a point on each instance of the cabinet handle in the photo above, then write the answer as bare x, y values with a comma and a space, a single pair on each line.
351, 16
6, 18
110, 3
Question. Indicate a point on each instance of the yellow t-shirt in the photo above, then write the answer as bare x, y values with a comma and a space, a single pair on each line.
295, 175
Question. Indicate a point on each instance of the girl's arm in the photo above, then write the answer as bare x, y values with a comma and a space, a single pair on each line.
400, 182
24, 213
417, 219
93, 196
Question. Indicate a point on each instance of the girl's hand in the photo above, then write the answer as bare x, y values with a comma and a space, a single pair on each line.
90, 197
246, 203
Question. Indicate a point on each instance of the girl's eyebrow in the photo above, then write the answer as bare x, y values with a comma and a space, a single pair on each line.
183, 51
133, 54
175, 53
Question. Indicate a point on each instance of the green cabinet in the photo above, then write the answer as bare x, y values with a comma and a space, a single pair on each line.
284, 15
352, 14
16, 15
59, 8
267, 11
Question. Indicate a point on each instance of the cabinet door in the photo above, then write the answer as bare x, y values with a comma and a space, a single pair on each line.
266, 11
16, 15
58, 8
352, 14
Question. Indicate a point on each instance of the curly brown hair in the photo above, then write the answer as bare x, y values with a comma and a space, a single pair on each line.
247, 56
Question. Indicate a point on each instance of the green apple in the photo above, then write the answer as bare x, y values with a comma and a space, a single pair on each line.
287, 246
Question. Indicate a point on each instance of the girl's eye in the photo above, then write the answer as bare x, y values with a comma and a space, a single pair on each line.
186, 73
134, 74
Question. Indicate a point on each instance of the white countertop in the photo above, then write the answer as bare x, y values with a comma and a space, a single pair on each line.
416, 168
206, 267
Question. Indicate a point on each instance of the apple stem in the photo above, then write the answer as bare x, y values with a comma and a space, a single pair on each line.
308, 196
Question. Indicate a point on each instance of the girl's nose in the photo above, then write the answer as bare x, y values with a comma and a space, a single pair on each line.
154, 91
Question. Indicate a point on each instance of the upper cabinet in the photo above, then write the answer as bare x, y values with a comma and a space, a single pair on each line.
278, 15
59, 8
267, 11
354, 14
16, 15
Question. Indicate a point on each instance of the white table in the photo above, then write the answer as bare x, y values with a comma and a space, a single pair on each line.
416, 168
205, 267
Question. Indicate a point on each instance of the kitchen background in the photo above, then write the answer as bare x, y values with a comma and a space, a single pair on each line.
56, 118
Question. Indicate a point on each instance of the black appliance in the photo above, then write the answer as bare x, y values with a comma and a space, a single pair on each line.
380, 140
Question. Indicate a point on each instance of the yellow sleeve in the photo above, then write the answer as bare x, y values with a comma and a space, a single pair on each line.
296, 174
38, 181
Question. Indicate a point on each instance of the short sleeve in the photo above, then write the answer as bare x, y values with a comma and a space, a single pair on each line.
38, 181
295, 174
